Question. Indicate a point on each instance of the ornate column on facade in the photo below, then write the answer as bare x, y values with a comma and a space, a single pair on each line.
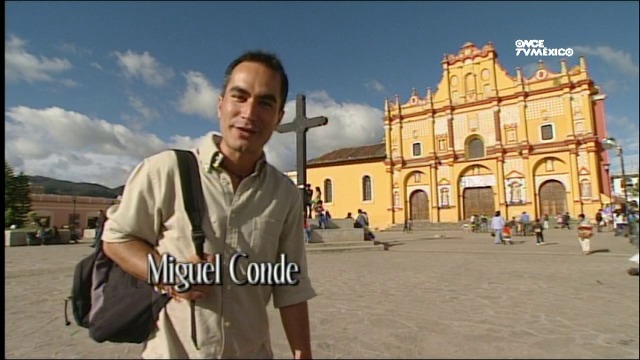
573, 168
529, 179
567, 108
433, 171
500, 188
497, 126
594, 173
450, 133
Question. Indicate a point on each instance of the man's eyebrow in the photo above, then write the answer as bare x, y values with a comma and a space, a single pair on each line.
268, 97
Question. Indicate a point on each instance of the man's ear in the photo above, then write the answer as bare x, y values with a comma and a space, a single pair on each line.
219, 105
280, 117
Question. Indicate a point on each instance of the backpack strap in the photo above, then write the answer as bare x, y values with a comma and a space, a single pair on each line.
192, 193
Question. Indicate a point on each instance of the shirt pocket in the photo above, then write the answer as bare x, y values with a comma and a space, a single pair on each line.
266, 237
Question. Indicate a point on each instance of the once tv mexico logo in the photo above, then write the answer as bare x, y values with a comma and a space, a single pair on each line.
537, 48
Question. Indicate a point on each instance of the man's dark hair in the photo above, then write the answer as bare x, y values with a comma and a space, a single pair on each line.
267, 59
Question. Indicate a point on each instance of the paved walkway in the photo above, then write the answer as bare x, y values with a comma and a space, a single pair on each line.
457, 297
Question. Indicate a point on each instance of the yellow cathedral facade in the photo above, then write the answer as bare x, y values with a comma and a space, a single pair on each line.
483, 141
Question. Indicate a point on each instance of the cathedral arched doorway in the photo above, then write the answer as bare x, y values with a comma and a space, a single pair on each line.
419, 205
478, 201
553, 198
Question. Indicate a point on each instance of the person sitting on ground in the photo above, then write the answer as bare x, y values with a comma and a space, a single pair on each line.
363, 223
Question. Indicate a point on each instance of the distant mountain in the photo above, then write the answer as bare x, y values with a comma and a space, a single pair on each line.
63, 187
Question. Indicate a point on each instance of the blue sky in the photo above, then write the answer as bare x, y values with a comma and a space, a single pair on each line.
93, 87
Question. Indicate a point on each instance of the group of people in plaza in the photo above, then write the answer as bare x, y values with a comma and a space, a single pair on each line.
502, 230
315, 206
361, 221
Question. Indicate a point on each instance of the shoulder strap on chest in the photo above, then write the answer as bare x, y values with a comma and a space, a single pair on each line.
192, 195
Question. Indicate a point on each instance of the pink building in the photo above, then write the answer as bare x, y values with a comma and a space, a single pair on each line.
59, 210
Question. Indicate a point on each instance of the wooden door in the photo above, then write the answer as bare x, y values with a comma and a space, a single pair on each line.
478, 201
553, 198
419, 204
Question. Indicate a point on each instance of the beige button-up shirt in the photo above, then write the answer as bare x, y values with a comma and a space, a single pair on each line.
262, 218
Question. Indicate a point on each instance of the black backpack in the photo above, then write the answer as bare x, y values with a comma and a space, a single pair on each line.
114, 305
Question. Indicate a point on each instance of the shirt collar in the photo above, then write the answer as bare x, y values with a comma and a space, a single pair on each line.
210, 156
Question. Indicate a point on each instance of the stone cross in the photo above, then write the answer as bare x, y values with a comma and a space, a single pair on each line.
300, 125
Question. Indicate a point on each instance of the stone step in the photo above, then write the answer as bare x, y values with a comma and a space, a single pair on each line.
341, 243
338, 248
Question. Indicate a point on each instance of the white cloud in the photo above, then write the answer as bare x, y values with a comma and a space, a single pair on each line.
618, 59
96, 65
67, 145
139, 106
145, 67
626, 133
21, 65
73, 49
349, 125
200, 97
375, 85
63, 144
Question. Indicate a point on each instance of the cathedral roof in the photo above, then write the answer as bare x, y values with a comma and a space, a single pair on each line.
351, 154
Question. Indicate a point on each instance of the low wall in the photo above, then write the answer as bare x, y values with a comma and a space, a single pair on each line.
336, 235
19, 238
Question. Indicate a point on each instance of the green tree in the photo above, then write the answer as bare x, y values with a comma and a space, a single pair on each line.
17, 197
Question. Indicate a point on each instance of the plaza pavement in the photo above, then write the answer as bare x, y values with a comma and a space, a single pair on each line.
454, 297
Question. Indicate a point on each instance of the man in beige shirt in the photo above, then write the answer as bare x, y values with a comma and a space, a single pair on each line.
251, 208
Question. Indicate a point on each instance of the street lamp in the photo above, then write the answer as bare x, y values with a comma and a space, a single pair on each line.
610, 143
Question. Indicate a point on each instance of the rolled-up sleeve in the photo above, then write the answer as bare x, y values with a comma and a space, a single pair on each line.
136, 215
292, 244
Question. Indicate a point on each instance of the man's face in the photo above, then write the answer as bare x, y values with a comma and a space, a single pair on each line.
249, 110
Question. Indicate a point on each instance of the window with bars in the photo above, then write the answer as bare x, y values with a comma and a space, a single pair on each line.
442, 145
328, 191
475, 148
366, 188
546, 132
417, 149
585, 188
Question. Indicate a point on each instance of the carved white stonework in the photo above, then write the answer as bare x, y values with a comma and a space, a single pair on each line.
460, 130
583, 160
513, 165
576, 107
444, 172
487, 127
510, 115
536, 109
445, 196
563, 178
413, 188
415, 128
441, 126
516, 190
